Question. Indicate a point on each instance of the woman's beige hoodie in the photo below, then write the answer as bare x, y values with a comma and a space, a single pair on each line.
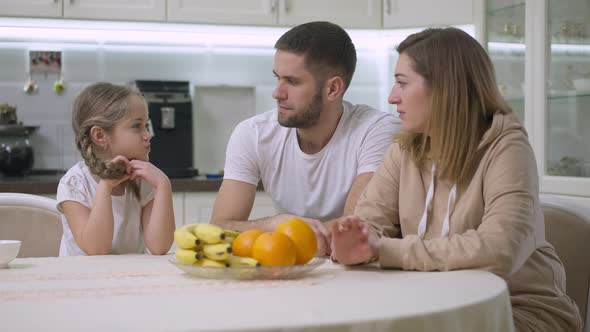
496, 224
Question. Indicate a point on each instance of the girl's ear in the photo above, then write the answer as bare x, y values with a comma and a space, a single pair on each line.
99, 137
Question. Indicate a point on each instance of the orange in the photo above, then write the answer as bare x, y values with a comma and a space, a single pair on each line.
242, 244
274, 249
303, 236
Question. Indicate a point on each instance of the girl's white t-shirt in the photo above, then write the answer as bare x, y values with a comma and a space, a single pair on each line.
79, 185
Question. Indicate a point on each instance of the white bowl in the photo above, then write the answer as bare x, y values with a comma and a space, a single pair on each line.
8, 251
582, 84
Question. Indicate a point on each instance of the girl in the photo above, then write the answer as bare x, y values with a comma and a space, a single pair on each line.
458, 189
115, 201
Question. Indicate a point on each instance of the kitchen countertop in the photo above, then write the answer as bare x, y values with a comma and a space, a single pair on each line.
41, 183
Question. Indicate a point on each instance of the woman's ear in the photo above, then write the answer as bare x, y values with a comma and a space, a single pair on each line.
334, 88
99, 137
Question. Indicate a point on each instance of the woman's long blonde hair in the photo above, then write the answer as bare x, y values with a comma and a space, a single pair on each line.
461, 78
102, 105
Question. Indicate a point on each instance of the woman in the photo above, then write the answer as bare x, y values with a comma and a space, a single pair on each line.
459, 187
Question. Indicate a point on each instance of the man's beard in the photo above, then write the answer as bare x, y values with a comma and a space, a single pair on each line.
308, 118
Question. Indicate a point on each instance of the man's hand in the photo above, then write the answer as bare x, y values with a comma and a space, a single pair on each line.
323, 235
322, 231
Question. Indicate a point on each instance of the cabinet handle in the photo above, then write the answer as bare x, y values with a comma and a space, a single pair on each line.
286, 6
273, 6
388, 7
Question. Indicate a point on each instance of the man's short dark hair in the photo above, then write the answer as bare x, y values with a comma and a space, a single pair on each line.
327, 48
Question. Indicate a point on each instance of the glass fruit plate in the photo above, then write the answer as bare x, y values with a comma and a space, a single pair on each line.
250, 272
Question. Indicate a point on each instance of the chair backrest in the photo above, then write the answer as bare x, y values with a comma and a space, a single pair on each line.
32, 219
567, 228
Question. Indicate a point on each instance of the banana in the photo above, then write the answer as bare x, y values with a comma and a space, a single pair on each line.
217, 252
185, 238
228, 239
186, 256
236, 261
231, 233
210, 263
210, 234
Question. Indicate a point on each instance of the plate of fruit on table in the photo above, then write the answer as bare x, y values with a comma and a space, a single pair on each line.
209, 251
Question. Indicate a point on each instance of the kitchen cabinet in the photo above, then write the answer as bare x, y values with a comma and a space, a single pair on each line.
198, 206
178, 208
541, 52
250, 12
128, 10
421, 13
263, 206
373, 14
31, 8
348, 13
504, 35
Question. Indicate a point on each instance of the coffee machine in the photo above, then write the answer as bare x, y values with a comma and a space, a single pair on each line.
171, 120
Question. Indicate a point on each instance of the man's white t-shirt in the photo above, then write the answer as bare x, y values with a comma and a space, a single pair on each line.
79, 185
316, 185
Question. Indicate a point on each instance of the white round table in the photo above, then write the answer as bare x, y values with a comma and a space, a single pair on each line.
147, 293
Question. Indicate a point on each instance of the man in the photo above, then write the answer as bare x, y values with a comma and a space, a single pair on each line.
315, 153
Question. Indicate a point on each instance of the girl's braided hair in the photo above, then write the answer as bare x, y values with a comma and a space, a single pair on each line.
102, 105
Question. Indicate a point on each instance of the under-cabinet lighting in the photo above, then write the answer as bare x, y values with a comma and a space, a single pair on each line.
179, 37
555, 48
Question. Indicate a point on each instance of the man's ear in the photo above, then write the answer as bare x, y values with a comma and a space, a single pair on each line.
334, 88
99, 137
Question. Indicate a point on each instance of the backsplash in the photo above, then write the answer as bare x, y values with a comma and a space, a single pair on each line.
210, 67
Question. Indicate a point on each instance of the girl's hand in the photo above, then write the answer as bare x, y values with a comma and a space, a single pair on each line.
112, 183
150, 173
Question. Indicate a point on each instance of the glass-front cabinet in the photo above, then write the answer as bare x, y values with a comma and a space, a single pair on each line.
541, 52
505, 27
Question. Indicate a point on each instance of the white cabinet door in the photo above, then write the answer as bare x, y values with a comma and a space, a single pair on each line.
123, 10
255, 12
263, 206
178, 207
421, 13
346, 13
31, 8
198, 206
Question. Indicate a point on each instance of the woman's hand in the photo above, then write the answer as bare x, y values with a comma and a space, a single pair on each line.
353, 242
150, 173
